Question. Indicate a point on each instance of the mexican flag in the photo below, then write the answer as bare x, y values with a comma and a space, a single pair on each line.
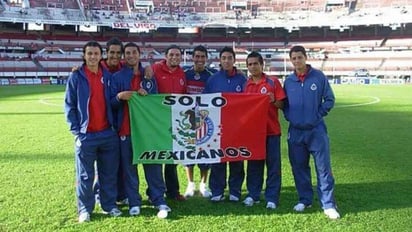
202, 128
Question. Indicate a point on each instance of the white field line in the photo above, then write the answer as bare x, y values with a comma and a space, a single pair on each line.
375, 100
45, 102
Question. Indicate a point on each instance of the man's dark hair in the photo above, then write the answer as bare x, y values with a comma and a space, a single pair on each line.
200, 48
297, 48
227, 49
114, 41
255, 54
91, 43
131, 44
173, 46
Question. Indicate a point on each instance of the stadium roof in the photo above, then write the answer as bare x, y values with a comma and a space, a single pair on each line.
291, 18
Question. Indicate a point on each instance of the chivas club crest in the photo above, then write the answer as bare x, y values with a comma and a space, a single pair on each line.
194, 128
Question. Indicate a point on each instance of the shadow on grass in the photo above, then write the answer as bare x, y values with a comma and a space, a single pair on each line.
351, 198
366, 197
30, 113
32, 99
36, 158
23, 90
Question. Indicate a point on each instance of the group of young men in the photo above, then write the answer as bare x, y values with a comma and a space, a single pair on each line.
96, 109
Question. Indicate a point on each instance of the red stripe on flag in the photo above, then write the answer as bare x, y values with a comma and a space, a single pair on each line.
243, 125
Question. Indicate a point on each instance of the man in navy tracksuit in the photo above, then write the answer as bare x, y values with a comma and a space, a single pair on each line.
126, 82
227, 80
196, 77
113, 63
309, 99
89, 114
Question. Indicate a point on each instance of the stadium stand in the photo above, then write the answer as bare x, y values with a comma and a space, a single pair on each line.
70, 4
341, 35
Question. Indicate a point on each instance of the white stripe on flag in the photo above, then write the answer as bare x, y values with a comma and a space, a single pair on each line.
211, 130
199, 121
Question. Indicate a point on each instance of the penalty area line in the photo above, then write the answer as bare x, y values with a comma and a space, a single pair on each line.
375, 100
45, 102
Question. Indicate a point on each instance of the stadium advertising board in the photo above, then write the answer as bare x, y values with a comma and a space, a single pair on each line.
126, 25
392, 81
32, 81
4, 81
368, 81
60, 81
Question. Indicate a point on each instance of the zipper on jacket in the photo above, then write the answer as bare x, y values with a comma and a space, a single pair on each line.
88, 102
303, 102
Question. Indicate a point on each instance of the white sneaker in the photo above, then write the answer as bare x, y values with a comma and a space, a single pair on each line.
271, 205
115, 212
248, 201
163, 211
204, 191
190, 190
300, 207
84, 217
217, 198
233, 198
134, 211
332, 213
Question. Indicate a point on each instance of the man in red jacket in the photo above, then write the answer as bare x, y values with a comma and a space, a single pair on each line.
260, 83
170, 78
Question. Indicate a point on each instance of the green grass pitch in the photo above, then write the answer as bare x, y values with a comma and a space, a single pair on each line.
370, 131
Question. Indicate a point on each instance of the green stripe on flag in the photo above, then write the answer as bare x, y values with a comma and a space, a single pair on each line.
154, 122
